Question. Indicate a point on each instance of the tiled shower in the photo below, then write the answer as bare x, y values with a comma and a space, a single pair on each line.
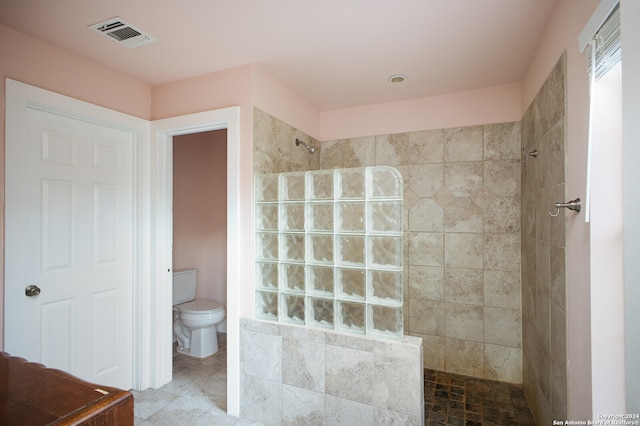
476, 270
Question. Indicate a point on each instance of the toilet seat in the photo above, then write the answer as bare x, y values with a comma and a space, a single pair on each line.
200, 306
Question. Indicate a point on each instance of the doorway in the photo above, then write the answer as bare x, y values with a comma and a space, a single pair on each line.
163, 132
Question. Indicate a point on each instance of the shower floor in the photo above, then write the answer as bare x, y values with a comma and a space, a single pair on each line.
453, 399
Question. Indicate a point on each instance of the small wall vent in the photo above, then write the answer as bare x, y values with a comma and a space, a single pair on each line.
123, 32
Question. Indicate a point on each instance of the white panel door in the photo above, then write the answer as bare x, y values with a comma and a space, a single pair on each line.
69, 232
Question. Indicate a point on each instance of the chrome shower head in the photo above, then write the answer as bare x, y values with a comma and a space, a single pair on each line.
309, 148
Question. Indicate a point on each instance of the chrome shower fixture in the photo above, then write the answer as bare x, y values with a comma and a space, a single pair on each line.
309, 148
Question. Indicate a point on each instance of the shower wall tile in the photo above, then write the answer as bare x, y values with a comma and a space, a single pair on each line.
558, 384
384, 417
502, 141
557, 275
464, 357
503, 363
262, 355
463, 215
464, 286
349, 374
302, 407
426, 216
262, 400
425, 179
502, 177
392, 150
274, 148
426, 317
433, 351
340, 411
557, 153
462, 220
462, 223
502, 252
426, 249
464, 251
392, 376
502, 289
463, 144
543, 251
502, 216
502, 326
426, 282
349, 153
426, 147
331, 378
463, 179
464, 321
558, 336
309, 359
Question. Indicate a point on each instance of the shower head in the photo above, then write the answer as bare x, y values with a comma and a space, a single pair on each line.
309, 148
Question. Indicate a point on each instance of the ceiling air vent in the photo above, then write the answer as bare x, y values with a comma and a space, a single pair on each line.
123, 32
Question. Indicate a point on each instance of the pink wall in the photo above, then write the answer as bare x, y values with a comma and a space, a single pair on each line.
200, 210
561, 35
283, 103
489, 105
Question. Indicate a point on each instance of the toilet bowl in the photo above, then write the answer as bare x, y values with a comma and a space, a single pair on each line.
194, 320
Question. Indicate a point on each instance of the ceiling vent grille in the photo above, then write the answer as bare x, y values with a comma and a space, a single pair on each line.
123, 32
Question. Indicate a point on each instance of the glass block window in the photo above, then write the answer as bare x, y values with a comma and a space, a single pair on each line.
329, 249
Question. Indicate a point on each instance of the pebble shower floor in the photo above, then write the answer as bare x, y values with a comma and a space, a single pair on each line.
456, 400
329, 249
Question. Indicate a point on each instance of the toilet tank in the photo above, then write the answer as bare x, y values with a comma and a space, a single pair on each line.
184, 285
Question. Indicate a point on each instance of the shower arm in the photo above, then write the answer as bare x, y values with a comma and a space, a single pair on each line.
308, 147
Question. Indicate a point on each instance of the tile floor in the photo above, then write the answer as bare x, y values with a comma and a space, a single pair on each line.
452, 399
196, 396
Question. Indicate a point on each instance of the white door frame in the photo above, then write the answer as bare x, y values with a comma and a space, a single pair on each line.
159, 304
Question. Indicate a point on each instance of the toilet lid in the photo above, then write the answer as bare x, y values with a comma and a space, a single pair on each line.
203, 305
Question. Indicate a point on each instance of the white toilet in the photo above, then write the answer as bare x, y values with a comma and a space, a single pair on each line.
194, 320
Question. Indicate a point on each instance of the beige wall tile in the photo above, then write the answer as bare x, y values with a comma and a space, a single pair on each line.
502, 216
463, 179
426, 147
425, 179
464, 321
502, 326
426, 248
502, 289
392, 150
345, 153
433, 351
463, 215
426, 216
463, 144
502, 177
426, 282
426, 317
464, 251
502, 252
464, 357
464, 286
503, 363
502, 141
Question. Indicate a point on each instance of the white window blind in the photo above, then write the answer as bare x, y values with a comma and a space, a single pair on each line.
605, 49
603, 40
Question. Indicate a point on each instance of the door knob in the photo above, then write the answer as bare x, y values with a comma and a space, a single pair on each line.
32, 290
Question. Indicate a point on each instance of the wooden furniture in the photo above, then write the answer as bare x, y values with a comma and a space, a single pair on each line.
31, 394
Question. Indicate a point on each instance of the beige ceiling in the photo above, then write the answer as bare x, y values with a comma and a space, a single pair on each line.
334, 53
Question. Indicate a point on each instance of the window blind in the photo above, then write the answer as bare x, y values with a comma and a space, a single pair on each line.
605, 49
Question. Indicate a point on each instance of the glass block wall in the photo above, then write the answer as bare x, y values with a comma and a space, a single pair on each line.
329, 249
